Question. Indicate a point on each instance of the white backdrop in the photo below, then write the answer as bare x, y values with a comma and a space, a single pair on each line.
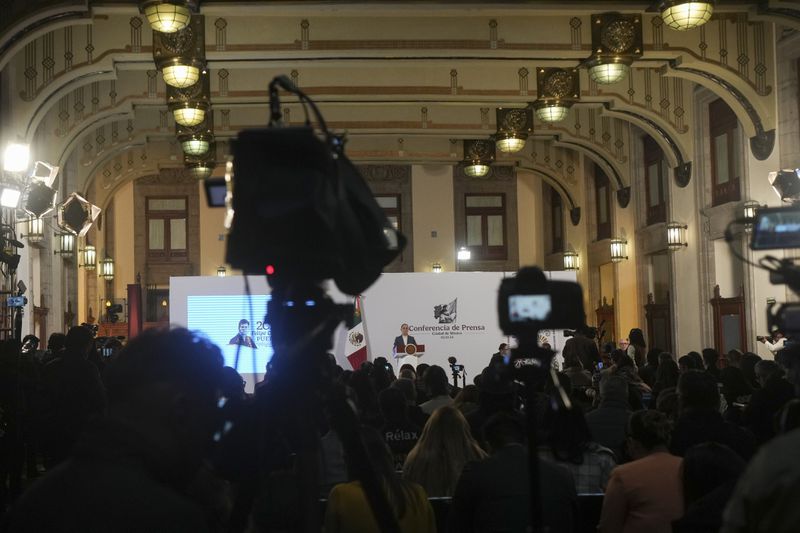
467, 329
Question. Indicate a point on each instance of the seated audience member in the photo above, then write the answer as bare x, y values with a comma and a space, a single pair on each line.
765, 499
72, 393
686, 363
130, 469
467, 400
648, 371
644, 495
443, 449
789, 417
366, 398
698, 360
495, 395
710, 362
422, 394
568, 442
666, 378
494, 494
580, 377
348, 508
625, 368
710, 472
700, 421
608, 423
667, 403
436, 385
766, 402
399, 433
408, 373
748, 366
409, 390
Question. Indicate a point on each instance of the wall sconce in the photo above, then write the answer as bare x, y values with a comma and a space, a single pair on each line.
181, 55
464, 254
76, 214
66, 245
676, 235
196, 140
35, 230
513, 128
571, 260
750, 212
168, 16
89, 257
189, 105
558, 89
436, 268
619, 250
107, 269
478, 155
222, 272
616, 43
682, 15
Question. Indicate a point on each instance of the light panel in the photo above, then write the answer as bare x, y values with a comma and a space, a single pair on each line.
16, 157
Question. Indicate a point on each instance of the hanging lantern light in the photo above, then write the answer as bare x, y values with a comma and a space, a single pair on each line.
66, 245
681, 15
167, 16
513, 128
616, 43
222, 272
436, 268
478, 156
558, 89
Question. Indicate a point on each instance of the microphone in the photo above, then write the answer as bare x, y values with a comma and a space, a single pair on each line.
452, 360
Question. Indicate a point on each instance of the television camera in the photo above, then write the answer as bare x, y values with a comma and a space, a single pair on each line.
777, 228
299, 211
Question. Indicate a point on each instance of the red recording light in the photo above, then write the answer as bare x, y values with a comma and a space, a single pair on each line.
270, 270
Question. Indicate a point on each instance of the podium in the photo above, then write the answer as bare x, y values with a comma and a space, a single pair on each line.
408, 354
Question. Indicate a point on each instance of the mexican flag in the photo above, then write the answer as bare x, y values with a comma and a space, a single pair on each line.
356, 346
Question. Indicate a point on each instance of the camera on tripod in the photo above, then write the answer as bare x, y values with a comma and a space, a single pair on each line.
777, 229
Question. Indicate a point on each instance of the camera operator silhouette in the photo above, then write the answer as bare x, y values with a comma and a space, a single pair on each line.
242, 338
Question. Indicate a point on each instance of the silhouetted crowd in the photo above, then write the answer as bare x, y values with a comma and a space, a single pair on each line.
159, 435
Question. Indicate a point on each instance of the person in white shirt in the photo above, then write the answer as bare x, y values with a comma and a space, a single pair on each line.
776, 345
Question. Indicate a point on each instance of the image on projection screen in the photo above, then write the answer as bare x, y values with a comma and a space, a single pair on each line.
228, 322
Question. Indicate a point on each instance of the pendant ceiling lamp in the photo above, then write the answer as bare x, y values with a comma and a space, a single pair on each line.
682, 16
196, 140
167, 16
513, 128
479, 154
616, 43
557, 90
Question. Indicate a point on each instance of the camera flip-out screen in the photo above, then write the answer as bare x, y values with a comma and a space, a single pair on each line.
529, 307
777, 228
